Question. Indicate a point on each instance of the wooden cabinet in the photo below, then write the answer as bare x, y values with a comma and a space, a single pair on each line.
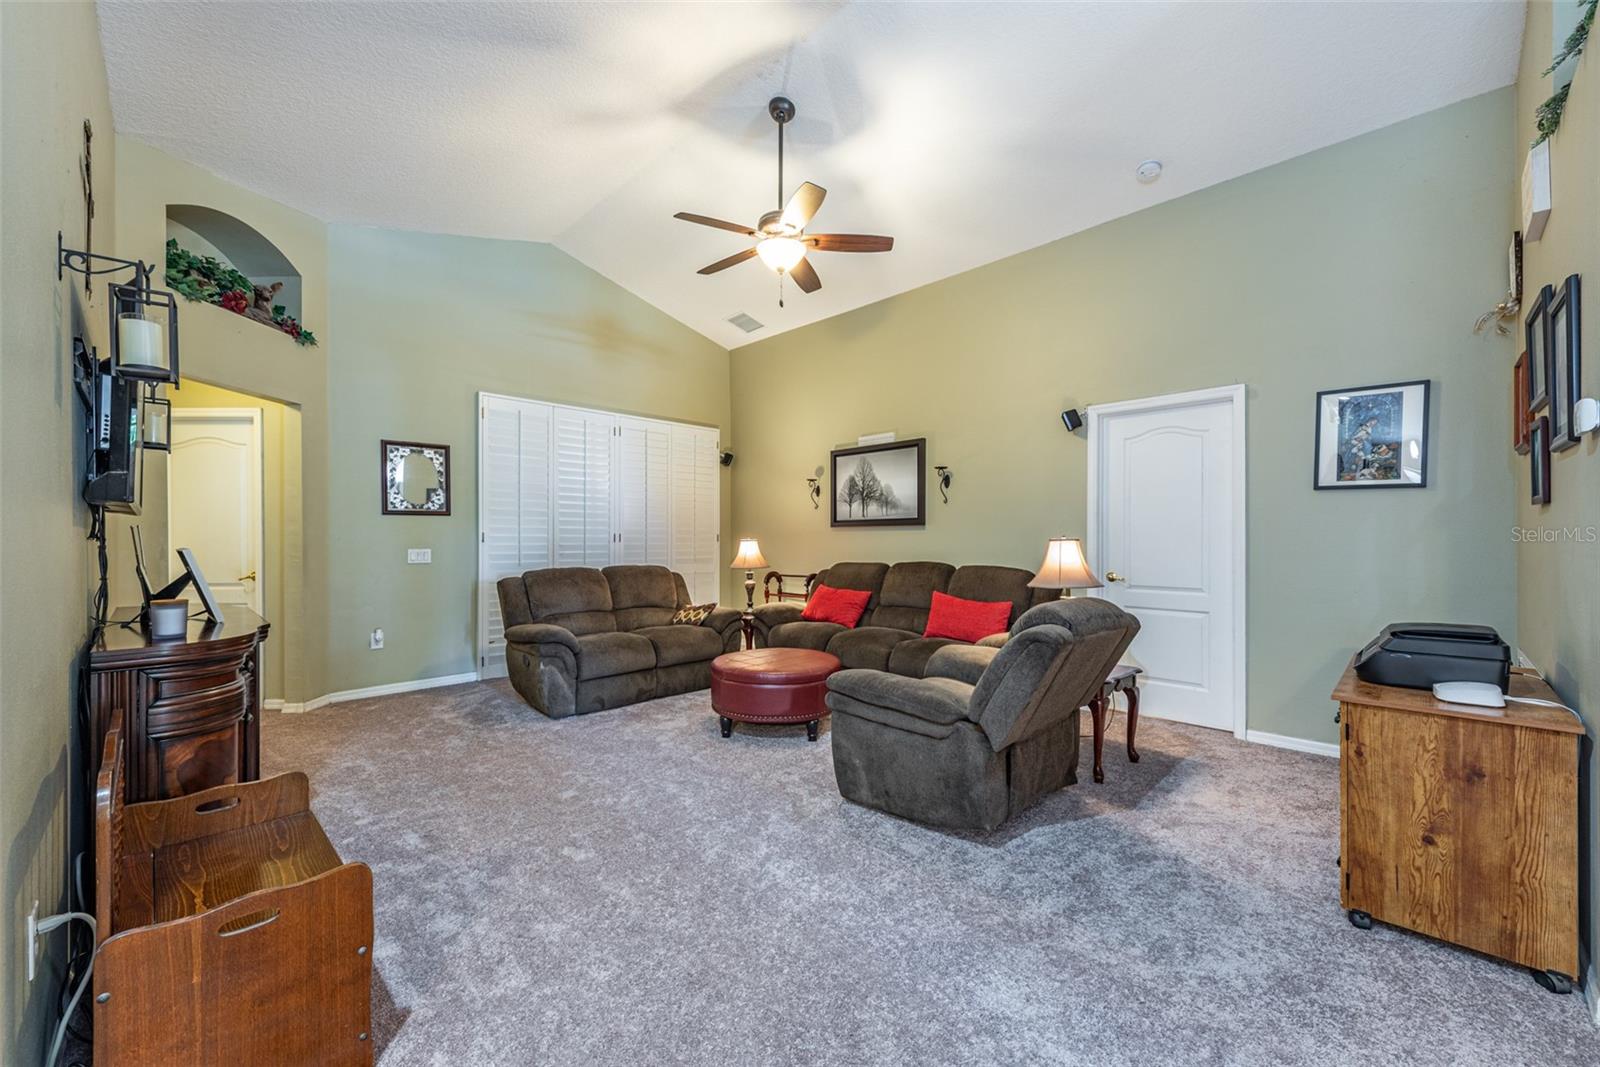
189, 708
1462, 825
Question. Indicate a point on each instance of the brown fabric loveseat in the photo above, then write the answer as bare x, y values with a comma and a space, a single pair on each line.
580, 639
889, 635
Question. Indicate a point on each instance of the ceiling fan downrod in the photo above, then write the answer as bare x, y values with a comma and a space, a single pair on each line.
781, 108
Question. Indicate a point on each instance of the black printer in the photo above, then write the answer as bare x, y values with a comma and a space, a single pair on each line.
1415, 655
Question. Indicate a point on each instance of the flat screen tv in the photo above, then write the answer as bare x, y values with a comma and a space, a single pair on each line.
116, 467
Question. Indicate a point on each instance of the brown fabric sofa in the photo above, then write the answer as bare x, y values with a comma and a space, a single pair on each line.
580, 639
988, 731
889, 635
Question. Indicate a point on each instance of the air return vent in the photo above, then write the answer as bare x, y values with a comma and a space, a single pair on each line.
746, 323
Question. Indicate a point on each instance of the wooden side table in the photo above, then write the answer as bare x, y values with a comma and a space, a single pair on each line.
1124, 678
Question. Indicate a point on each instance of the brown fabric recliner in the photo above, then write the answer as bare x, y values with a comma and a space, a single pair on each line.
889, 635
969, 754
580, 639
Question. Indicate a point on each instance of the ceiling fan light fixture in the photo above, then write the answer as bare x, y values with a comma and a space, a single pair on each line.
781, 253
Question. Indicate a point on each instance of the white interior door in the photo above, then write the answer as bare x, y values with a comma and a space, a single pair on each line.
1167, 537
214, 499
514, 510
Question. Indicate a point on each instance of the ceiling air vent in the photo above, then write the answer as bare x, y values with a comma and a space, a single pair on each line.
746, 323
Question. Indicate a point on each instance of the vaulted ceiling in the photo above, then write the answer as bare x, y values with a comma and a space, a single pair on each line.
968, 131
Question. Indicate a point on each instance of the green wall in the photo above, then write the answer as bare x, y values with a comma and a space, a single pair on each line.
424, 322
1362, 263
52, 78
1558, 617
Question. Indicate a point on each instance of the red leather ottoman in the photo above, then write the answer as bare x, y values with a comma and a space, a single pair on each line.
772, 685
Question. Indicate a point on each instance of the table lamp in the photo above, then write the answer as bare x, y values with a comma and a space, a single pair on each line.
748, 559
1064, 567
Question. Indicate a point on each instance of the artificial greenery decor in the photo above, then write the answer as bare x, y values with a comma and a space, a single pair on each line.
1547, 116
210, 281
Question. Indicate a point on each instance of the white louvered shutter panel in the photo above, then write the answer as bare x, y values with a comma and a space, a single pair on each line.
581, 470
642, 490
514, 510
707, 520
694, 510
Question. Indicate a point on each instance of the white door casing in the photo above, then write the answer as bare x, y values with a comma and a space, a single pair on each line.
1167, 517
214, 499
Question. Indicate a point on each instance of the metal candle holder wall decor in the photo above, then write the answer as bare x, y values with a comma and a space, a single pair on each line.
144, 321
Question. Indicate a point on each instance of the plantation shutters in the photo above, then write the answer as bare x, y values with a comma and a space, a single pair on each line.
561, 486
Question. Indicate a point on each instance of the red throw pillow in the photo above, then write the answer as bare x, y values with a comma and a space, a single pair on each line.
966, 620
843, 606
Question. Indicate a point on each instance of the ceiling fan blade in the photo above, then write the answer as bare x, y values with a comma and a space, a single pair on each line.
724, 264
802, 205
805, 276
706, 220
848, 242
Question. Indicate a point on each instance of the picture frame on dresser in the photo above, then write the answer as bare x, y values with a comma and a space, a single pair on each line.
1566, 369
1539, 461
1519, 405
1536, 337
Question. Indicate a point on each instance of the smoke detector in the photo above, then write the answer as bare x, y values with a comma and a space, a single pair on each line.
1148, 171
746, 323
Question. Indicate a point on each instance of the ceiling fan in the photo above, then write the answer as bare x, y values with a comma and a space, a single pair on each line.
781, 240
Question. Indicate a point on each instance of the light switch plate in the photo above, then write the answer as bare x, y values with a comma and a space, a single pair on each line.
377, 638
419, 555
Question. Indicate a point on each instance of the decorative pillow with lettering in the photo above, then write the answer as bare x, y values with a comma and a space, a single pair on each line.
693, 614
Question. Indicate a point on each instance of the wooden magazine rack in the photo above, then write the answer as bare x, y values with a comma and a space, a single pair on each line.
230, 932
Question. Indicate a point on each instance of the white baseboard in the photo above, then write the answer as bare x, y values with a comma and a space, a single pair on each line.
1297, 744
388, 689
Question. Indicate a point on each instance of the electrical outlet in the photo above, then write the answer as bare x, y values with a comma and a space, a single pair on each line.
419, 555
377, 638
33, 940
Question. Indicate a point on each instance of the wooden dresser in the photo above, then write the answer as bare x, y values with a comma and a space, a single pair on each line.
1461, 825
190, 709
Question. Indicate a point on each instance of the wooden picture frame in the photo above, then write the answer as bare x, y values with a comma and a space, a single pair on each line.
1372, 437
396, 459
1539, 461
895, 469
1519, 405
1536, 340
1566, 365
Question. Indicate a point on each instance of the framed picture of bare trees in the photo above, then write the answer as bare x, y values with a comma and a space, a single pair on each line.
880, 485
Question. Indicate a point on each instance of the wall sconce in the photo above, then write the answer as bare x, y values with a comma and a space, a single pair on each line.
157, 421
944, 482
815, 485
144, 321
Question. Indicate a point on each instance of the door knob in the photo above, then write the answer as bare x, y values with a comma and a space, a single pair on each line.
248, 577
1113, 576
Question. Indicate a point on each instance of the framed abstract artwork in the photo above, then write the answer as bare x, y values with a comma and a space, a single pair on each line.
1539, 460
1374, 437
1536, 335
415, 478
1566, 366
1519, 405
880, 485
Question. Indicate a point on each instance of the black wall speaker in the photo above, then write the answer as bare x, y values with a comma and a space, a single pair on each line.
726, 459
1072, 419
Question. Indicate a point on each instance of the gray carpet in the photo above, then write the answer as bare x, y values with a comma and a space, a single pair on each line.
629, 888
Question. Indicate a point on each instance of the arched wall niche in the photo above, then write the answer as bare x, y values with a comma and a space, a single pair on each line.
206, 231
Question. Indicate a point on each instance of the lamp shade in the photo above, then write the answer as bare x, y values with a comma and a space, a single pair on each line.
1064, 566
749, 557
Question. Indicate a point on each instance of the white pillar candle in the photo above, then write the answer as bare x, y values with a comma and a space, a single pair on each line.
141, 342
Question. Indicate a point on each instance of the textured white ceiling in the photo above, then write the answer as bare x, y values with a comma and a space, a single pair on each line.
968, 131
